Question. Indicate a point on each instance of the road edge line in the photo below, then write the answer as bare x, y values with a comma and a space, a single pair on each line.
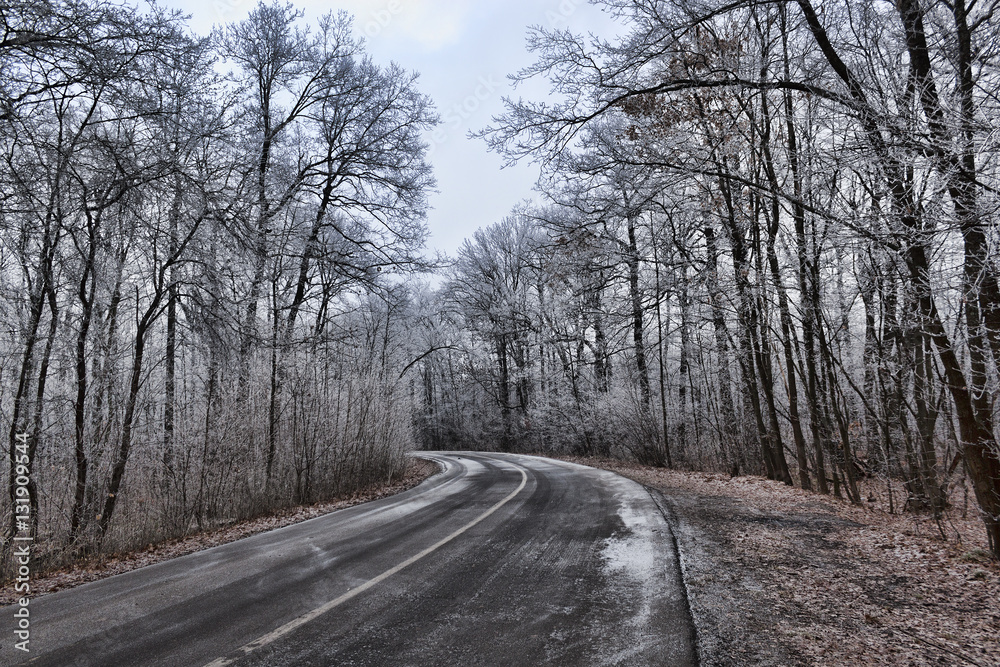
295, 623
671, 520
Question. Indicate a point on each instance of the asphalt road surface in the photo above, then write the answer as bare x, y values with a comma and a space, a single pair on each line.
498, 560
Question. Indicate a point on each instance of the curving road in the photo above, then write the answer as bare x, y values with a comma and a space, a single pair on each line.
498, 560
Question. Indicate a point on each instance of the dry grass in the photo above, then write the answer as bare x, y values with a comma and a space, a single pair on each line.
781, 576
98, 568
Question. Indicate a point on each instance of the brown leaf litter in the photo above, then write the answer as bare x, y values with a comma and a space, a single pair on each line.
775, 575
781, 576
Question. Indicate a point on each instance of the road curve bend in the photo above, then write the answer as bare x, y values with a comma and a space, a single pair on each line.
500, 559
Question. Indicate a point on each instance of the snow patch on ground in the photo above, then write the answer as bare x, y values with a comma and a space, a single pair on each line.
633, 566
633, 551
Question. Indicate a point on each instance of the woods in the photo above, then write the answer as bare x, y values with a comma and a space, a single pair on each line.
196, 248
764, 244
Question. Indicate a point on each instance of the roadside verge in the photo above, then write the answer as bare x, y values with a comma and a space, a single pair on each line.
106, 566
780, 576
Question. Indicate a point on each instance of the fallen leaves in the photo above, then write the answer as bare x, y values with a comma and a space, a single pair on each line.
781, 576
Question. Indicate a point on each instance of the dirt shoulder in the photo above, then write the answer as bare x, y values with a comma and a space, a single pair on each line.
417, 471
780, 576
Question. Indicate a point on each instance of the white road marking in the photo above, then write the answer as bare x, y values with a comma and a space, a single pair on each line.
246, 649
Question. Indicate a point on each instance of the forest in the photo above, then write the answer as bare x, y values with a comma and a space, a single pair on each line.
763, 241
766, 244
197, 236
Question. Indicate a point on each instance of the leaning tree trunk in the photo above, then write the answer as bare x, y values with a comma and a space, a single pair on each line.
982, 296
784, 313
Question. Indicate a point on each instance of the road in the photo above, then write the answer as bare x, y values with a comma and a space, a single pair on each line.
497, 560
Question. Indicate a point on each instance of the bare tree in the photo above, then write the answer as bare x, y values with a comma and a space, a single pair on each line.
744, 100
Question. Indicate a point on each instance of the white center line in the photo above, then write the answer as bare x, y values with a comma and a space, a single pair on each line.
246, 649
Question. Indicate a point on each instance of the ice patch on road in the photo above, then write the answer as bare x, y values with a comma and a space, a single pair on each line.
633, 566
632, 552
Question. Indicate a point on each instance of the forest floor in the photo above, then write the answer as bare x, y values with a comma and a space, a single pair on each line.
105, 566
781, 576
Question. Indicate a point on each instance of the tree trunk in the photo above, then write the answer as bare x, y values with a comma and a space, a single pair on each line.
635, 296
506, 441
729, 421
85, 291
785, 318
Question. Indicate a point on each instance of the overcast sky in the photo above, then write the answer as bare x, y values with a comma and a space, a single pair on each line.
463, 50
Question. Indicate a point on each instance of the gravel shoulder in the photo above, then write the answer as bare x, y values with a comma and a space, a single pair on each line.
779, 576
98, 568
